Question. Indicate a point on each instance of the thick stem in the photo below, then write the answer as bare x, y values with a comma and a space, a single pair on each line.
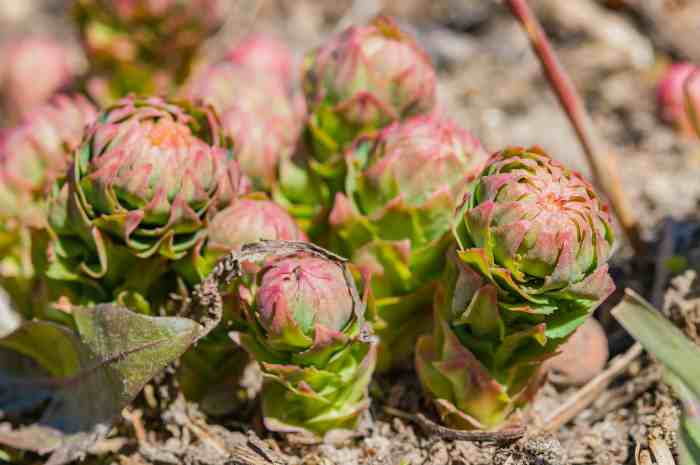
598, 156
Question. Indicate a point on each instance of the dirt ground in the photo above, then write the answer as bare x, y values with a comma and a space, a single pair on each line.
491, 83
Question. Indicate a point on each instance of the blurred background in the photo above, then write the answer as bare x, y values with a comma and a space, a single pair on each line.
615, 50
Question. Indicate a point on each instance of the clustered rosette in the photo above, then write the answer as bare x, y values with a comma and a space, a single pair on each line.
395, 216
210, 373
32, 157
266, 56
529, 266
258, 112
480, 268
306, 328
37, 152
144, 46
32, 70
678, 96
359, 81
249, 219
146, 180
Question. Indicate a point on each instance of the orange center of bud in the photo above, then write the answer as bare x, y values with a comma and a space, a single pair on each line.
169, 134
551, 202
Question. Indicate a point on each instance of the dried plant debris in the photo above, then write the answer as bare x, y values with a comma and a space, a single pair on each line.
682, 304
545, 450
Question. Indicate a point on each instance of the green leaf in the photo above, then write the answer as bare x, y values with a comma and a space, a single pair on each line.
678, 354
660, 337
83, 380
565, 321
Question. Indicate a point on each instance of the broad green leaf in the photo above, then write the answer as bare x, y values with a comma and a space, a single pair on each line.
82, 381
679, 355
660, 337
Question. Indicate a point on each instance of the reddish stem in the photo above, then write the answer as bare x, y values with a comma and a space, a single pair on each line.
603, 168
689, 102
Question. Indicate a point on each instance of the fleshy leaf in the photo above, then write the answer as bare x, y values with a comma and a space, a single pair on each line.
528, 266
319, 386
85, 378
395, 216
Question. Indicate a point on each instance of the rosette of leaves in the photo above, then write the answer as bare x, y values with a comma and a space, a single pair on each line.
248, 219
265, 55
144, 46
678, 95
32, 69
145, 181
359, 81
528, 267
261, 116
306, 328
396, 216
210, 373
32, 157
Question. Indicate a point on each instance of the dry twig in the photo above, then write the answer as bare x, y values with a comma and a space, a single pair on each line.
602, 167
625, 394
587, 394
134, 417
432, 428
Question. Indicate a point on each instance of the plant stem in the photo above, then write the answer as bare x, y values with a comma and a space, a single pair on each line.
603, 168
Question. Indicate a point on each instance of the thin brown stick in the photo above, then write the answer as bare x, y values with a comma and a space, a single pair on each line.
134, 417
433, 429
209, 439
587, 394
624, 395
602, 166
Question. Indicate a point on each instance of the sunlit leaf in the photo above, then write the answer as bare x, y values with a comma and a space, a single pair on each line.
81, 382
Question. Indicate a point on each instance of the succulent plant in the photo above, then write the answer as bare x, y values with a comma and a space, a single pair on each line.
678, 96
528, 268
144, 46
144, 184
257, 112
305, 326
211, 372
359, 81
396, 215
37, 152
32, 157
248, 219
266, 56
32, 70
